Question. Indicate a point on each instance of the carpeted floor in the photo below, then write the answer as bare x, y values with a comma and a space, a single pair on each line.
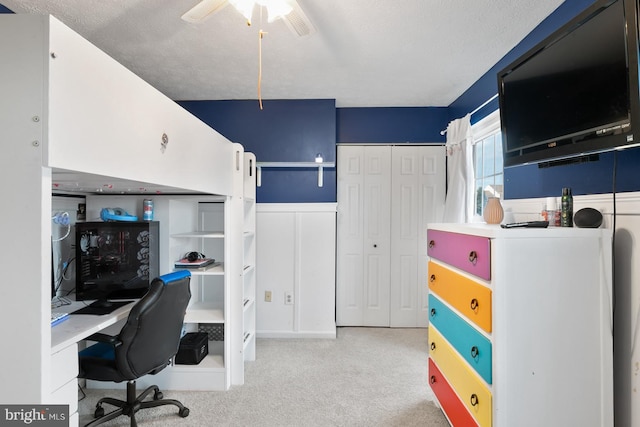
366, 377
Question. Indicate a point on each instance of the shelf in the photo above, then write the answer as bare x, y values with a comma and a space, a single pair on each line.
215, 269
201, 234
293, 165
211, 362
204, 312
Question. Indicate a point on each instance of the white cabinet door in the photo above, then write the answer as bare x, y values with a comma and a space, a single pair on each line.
386, 195
417, 198
364, 235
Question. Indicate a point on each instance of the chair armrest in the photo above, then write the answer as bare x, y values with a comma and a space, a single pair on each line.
104, 338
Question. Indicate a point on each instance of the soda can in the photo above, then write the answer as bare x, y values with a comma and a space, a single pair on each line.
147, 210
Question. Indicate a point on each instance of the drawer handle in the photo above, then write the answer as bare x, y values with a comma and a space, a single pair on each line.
474, 400
432, 278
474, 304
432, 243
433, 312
432, 379
473, 257
433, 346
474, 352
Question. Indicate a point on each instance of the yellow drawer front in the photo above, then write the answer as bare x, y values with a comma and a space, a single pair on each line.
470, 388
467, 296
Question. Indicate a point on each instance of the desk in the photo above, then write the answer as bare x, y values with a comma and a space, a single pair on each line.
64, 351
79, 326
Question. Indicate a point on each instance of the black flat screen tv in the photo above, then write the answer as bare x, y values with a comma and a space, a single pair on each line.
576, 92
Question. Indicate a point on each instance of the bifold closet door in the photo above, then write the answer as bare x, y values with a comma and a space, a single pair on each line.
363, 236
417, 198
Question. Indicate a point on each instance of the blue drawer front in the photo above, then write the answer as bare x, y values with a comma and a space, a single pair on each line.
474, 347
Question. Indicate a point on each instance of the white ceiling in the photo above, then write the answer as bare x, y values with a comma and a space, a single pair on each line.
365, 53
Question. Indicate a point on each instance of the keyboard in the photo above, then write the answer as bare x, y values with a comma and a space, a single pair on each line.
57, 317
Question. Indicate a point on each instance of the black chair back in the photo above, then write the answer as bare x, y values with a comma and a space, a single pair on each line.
151, 335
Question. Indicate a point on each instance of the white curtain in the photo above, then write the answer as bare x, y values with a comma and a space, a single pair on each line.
459, 201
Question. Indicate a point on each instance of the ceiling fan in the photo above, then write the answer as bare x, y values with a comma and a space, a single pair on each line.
287, 10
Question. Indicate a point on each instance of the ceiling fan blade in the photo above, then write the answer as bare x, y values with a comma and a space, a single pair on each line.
297, 21
203, 10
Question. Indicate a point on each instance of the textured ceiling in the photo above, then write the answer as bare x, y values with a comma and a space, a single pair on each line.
364, 53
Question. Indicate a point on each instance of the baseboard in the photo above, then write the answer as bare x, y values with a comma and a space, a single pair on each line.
296, 334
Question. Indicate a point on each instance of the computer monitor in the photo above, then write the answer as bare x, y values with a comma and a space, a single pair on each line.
115, 260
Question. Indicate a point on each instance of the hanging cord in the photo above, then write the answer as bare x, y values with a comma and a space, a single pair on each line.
260, 35
613, 236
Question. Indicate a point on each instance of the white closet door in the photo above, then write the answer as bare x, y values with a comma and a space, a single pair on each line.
364, 235
417, 197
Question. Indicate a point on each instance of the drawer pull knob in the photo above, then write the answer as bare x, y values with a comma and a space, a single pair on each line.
432, 243
474, 304
474, 400
433, 312
432, 278
375, 246
433, 346
432, 379
473, 257
474, 352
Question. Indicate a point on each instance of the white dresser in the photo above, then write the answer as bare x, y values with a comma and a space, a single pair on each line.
520, 329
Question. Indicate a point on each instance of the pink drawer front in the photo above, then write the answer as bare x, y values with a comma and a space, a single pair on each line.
469, 253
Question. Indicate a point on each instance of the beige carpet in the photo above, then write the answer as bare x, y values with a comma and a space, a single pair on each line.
366, 377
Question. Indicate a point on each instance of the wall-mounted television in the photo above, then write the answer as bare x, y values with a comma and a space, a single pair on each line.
576, 92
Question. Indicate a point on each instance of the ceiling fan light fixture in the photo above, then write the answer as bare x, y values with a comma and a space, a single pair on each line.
276, 9
245, 7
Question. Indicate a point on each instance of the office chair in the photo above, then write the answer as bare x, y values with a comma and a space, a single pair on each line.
145, 345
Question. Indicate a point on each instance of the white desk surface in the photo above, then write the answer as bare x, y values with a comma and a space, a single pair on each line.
79, 326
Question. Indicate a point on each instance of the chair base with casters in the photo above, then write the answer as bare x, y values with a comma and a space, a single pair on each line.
133, 404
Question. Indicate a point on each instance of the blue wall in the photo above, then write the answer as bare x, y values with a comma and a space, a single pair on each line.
283, 131
391, 125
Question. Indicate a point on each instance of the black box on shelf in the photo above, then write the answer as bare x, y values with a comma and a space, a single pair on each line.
193, 348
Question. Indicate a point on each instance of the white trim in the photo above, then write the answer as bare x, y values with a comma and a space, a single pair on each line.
296, 334
296, 207
485, 127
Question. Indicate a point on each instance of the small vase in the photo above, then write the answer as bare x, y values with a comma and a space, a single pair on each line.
493, 212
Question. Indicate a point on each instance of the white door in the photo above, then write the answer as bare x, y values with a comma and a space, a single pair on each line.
417, 198
363, 235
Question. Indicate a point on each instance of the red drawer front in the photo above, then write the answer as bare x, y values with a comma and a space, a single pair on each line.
469, 253
455, 410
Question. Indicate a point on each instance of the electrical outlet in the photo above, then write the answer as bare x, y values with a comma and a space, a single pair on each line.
288, 298
267, 296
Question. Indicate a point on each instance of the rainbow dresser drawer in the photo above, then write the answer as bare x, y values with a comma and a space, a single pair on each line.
469, 297
468, 253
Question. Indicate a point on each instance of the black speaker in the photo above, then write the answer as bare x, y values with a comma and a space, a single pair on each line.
588, 218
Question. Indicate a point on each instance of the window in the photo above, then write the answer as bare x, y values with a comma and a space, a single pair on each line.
487, 161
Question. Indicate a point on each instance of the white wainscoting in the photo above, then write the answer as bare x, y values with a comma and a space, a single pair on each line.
627, 289
296, 258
